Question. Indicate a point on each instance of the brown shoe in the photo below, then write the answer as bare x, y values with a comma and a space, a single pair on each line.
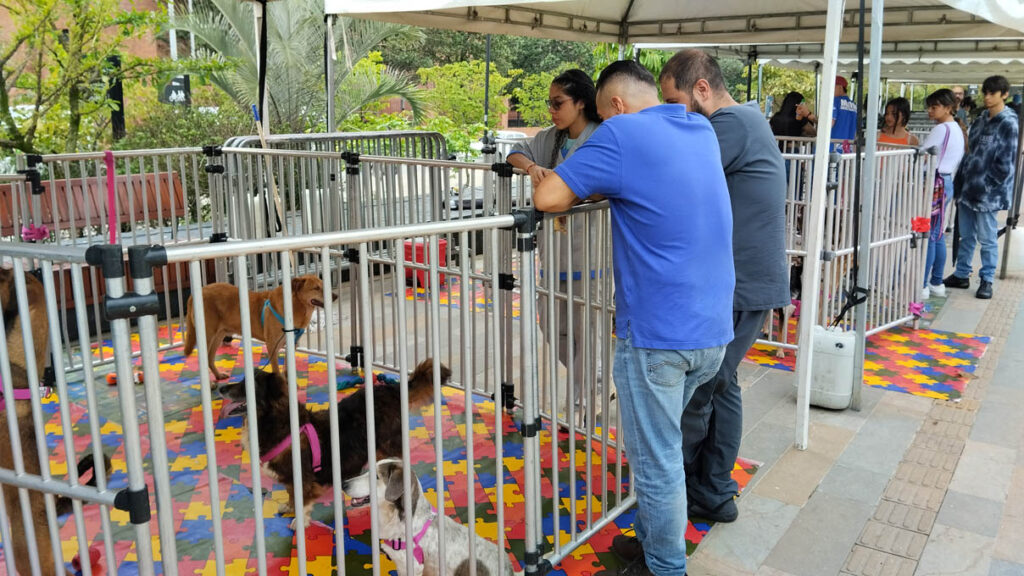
627, 548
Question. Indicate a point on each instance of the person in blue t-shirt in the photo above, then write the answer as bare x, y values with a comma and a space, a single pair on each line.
844, 117
660, 168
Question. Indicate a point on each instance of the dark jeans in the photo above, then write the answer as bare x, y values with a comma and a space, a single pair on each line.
713, 420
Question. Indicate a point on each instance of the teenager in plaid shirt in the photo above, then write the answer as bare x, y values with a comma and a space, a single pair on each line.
987, 176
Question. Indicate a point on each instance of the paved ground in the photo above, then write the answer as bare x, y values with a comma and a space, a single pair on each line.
908, 485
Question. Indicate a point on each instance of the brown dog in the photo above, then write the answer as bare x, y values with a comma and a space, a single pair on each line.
266, 313
275, 434
38, 320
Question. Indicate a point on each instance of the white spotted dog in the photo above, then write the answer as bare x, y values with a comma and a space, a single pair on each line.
425, 519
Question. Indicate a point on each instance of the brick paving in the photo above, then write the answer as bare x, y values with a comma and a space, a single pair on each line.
893, 540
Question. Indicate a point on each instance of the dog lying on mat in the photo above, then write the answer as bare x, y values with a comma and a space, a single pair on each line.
266, 313
424, 519
38, 319
274, 431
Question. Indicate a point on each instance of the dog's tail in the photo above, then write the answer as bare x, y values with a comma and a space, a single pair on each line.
421, 383
190, 330
86, 464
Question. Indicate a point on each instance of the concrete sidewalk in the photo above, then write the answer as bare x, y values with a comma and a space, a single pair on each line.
908, 485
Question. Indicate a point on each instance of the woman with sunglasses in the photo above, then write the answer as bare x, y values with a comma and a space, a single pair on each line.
573, 108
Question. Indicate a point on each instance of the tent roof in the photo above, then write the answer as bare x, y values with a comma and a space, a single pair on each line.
936, 61
721, 21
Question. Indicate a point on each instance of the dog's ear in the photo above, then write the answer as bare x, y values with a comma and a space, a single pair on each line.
395, 487
269, 387
446, 374
297, 284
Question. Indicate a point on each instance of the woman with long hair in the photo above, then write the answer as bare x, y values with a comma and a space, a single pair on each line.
572, 103
947, 140
894, 127
793, 117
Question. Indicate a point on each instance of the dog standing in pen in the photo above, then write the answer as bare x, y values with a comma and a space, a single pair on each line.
223, 316
425, 519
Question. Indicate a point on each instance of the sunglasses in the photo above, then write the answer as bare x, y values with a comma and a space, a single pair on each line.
555, 104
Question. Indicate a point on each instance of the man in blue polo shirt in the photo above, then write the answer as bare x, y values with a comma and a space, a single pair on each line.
660, 168
844, 117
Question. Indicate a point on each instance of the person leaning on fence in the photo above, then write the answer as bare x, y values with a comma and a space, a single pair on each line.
571, 103
794, 118
756, 177
894, 124
947, 141
660, 169
986, 174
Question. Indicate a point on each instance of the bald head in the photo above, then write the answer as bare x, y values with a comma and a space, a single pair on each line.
625, 87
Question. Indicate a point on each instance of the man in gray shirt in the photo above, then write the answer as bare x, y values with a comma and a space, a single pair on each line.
756, 176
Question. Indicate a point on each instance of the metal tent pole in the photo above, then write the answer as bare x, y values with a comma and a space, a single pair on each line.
812, 271
1014, 213
867, 199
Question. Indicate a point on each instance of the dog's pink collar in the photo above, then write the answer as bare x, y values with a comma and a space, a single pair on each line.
25, 394
417, 550
314, 446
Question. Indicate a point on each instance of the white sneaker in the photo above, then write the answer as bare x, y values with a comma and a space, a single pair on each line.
938, 290
925, 293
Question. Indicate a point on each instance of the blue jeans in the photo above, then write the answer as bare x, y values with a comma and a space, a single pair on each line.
654, 387
977, 228
935, 257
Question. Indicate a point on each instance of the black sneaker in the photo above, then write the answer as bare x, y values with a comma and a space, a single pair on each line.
984, 290
725, 512
627, 548
954, 281
637, 567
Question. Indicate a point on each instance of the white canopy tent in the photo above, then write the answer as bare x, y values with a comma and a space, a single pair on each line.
932, 62
719, 22
733, 22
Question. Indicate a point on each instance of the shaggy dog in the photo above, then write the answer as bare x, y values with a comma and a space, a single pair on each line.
266, 310
274, 431
424, 519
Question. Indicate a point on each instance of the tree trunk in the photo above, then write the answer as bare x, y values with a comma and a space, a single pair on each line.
74, 119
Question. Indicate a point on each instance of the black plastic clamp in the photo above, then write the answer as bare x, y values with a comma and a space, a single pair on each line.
530, 429
213, 150
506, 281
502, 169
540, 566
139, 265
351, 162
34, 180
355, 356
218, 237
131, 305
135, 503
508, 396
828, 255
33, 160
213, 169
109, 257
352, 255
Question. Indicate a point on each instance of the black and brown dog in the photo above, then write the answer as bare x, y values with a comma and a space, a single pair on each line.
274, 430
37, 319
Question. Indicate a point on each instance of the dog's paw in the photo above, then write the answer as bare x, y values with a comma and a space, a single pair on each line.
780, 353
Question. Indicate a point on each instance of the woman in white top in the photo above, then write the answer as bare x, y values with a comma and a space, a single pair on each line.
572, 103
947, 139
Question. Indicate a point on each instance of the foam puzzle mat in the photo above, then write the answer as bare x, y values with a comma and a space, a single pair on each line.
922, 361
191, 488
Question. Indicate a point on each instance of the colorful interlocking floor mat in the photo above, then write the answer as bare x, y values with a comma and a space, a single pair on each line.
922, 362
450, 294
193, 490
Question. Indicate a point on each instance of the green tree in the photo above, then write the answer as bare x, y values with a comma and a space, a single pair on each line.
296, 95
532, 93
456, 91
54, 68
777, 81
